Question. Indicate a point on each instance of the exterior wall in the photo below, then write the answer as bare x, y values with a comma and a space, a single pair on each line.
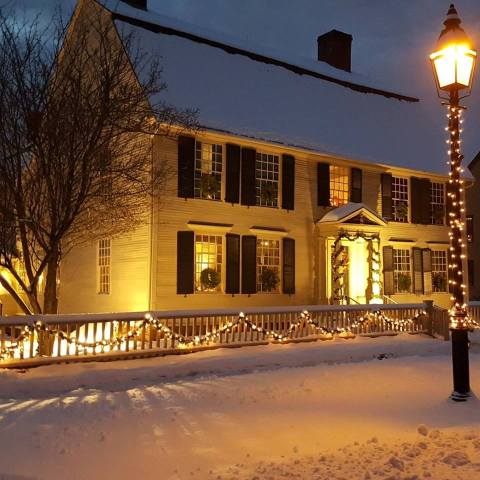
473, 203
130, 276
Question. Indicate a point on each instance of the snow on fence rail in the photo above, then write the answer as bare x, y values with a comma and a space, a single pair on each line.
41, 339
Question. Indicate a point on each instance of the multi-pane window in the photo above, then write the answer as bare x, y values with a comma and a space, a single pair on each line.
470, 228
339, 185
208, 170
437, 203
208, 263
400, 199
439, 270
402, 271
104, 265
268, 265
266, 183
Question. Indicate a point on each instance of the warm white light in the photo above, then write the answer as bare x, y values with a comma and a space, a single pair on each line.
454, 66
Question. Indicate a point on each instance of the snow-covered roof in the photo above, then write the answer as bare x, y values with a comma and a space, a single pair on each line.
349, 211
246, 91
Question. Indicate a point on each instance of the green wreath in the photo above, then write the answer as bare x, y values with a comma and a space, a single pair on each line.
439, 282
209, 185
404, 282
210, 279
269, 280
268, 192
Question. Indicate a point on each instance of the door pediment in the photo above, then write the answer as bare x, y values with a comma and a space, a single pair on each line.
352, 213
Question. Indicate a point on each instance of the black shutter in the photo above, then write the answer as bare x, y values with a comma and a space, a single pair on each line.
417, 270
249, 264
420, 200
186, 166
232, 174
386, 179
388, 286
323, 184
416, 196
288, 182
427, 270
185, 262
288, 265
426, 202
232, 284
356, 185
248, 176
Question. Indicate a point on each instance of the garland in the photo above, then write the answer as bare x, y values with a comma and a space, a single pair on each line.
198, 340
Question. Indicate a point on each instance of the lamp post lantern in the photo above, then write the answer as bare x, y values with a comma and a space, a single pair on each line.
453, 65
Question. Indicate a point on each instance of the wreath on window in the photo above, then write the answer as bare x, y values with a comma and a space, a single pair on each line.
210, 279
268, 192
404, 282
401, 210
269, 279
439, 282
438, 214
209, 185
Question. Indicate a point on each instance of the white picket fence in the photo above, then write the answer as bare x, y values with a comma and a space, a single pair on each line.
42, 339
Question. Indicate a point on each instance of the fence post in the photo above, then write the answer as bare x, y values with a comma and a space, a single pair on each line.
429, 316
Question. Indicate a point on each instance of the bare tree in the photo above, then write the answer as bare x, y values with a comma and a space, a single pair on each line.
79, 104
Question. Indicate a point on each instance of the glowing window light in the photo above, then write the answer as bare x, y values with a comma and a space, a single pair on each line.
454, 66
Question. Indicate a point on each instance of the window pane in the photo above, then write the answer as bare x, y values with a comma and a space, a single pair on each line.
439, 271
104, 259
401, 270
208, 171
339, 185
266, 182
400, 199
208, 263
268, 265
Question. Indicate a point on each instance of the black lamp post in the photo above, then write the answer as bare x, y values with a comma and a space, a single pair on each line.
453, 66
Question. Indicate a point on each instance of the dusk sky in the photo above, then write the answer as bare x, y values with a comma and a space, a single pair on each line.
391, 38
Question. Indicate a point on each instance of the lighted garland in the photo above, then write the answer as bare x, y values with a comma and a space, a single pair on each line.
340, 260
456, 209
199, 340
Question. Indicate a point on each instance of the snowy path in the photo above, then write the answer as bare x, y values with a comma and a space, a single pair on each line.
228, 414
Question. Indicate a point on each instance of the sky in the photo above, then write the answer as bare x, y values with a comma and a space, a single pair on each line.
391, 38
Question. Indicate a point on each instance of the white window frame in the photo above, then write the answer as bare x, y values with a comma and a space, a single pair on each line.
435, 269
437, 197
214, 163
400, 196
261, 265
101, 290
267, 176
338, 185
406, 268
207, 264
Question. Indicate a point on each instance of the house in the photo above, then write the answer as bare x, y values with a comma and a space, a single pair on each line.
473, 230
302, 187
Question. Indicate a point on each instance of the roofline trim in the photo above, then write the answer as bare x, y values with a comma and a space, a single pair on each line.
258, 57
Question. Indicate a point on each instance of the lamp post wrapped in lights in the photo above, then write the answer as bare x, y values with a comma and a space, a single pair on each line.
453, 65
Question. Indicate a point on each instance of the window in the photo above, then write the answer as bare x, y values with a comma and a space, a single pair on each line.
339, 186
401, 270
470, 228
104, 264
400, 199
208, 171
266, 174
208, 263
268, 265
437, 203
439, 271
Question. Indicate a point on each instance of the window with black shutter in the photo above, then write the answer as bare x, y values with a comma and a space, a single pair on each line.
232, 173
427, 271
388, 284
249, 264
420, 200
288, 182
232, 284
185, 262
323, 184
248, 191
186, 166
288, 269
387, 211
417, 271
356, 185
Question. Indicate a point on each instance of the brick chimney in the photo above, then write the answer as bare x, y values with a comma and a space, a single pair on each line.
335, 48
137, 3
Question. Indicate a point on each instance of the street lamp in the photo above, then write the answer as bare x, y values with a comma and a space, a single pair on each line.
453, 65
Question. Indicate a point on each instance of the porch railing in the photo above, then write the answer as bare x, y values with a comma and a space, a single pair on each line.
43, 339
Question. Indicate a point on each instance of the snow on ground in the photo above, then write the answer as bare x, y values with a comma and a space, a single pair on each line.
363, 408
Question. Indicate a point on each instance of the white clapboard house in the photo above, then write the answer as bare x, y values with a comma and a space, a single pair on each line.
304, 185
